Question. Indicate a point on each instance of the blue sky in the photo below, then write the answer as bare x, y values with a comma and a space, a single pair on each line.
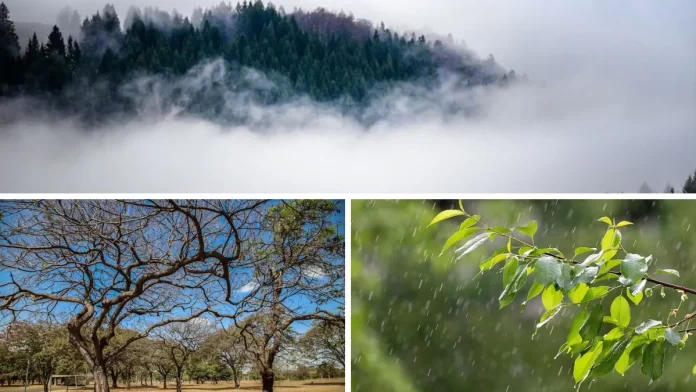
301, 301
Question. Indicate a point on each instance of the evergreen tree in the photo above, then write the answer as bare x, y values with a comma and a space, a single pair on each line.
690, 184
56, 44
9, 42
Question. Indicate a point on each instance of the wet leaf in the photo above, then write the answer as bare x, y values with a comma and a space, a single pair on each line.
634, 267
672, 337
624, 223
447, 214
472, 244
547, 270
653, 360
551, 297
529, 229
607, 363
509, 270
583, 364
535, 290
606, 220
577, 293
595, 292
470, 221
548, 315
621, 311
593, 323
493, 261
636, 299
611, 239
647, 325
672, 272
583, 249
458, 236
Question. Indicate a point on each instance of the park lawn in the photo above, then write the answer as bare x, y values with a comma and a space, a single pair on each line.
319, 385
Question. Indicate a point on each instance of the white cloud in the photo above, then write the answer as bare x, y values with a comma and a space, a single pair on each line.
249, 287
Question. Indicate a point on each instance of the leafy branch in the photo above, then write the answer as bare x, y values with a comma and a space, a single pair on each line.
582, 281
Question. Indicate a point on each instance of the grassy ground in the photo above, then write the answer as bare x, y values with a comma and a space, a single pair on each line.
325, 385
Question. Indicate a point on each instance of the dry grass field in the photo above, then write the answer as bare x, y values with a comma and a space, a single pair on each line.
320, 385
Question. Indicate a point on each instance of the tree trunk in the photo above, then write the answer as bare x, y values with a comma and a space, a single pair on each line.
114, 380
267, 380
45, 385
101, 382
178, 380
236, 378
151, 384
165, 381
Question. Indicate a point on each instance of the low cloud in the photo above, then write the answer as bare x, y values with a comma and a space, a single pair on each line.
607, 109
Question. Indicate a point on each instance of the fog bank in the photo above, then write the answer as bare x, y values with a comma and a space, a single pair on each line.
613, 105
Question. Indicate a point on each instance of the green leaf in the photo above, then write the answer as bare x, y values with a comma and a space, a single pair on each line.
574, 337
591, 326
551, 297
595, 292
624, 223
647, 325
672, 337
468, 222
606, 220
499, 230
472, 244
672, 272
638, 288
582, 250
653, 360
614, 334
493, 261
458, 236
630, 355
634, 267
577, 293
636, 299
693, 370
509, 270
593, 258
621, 311
516, 283
611, 239
548, 315
529, 229
607, 363
583, 364
445, 215
586, 275
535, 290
547, 270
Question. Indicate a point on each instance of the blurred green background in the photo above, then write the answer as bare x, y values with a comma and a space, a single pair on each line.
423, 323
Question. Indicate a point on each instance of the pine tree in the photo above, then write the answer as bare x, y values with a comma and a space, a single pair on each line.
56, 44
9, 42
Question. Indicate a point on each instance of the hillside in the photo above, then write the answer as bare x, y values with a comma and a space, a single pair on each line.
326, 56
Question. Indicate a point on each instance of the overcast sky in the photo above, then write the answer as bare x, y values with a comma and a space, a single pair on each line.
619, 99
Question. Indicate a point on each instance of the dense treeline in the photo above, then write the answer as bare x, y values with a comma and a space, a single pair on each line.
326, 56
34, 351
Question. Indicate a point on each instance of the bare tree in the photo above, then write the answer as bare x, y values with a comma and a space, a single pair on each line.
98, 264
181, 340
325, 342
230, 347
298, 276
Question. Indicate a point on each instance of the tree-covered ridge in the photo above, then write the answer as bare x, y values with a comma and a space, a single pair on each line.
323, 55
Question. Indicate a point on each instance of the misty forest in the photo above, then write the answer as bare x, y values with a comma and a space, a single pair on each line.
389, 93
329, 57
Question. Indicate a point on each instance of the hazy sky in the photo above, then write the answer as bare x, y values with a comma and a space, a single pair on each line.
618, 107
